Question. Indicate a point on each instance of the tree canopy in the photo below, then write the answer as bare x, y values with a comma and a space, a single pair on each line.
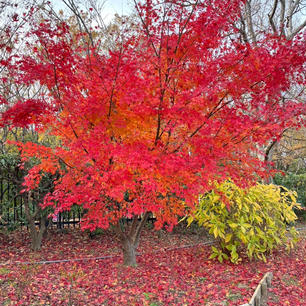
178, 102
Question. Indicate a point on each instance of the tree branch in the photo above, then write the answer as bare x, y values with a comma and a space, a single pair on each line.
271, 16
250, 21
140, 227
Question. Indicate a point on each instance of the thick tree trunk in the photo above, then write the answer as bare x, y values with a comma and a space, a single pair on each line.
36, 233
129, 253
130, 239
268, 158
36, 239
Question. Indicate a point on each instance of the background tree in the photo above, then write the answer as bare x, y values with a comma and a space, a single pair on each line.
290, 157
15, 20
283, 19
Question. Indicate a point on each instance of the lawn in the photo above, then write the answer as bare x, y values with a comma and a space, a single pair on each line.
170, 272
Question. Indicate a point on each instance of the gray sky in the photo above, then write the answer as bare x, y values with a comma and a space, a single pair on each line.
119, 6
110, 7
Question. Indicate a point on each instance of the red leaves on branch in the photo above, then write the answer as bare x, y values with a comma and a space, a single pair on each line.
24, 113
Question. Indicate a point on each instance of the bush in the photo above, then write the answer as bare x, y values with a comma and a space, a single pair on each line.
252, 221
292, 181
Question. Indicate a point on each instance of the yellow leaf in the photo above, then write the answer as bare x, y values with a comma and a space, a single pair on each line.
216, 232
228, 237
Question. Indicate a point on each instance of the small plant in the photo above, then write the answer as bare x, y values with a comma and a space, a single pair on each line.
25, 278
96, 233
3, 275
150, 297
73, 276
252, 220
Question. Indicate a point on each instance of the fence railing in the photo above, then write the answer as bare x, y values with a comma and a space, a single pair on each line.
260, 295
12, 212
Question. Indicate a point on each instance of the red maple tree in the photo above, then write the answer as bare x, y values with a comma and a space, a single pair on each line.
145, 127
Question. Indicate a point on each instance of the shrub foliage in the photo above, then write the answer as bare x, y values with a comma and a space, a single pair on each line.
293, 181
251, 221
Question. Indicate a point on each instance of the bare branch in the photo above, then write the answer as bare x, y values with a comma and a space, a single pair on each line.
271, 16
297, 30
250, 21
282, 17
72, 6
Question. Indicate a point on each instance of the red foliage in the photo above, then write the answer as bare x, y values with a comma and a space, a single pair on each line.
24, 113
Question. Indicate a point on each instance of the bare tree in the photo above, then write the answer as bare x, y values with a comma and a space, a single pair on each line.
284, 19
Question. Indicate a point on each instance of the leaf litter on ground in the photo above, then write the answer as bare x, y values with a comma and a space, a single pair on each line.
168, 273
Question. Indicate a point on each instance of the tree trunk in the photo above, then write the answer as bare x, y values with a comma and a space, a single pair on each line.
129, 253
268, 158
130, 239
36, 239
36, 234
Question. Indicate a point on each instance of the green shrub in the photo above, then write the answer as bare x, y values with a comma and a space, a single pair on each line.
292, 181
251, 221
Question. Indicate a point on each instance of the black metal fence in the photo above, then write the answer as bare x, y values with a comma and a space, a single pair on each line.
12, 212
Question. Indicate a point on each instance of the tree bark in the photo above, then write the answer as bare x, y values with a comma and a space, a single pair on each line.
129, 253
36, 239
36, 234
130, 239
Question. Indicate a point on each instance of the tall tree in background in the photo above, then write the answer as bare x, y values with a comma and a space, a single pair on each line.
15, 18
147, 127
284, 19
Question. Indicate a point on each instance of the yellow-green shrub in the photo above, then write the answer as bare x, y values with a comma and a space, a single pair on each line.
252, 220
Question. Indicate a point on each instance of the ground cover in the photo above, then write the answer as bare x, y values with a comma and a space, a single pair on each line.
167, 274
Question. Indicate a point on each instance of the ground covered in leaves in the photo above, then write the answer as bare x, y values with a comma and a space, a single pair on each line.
168, 273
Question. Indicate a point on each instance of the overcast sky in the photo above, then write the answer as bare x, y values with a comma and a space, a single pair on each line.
110, 7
